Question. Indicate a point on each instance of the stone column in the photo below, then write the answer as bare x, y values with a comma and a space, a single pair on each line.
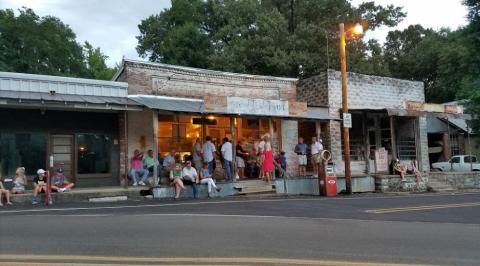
289, 136
335, 144
424, 160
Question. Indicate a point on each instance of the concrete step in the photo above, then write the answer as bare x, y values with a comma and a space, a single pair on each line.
250, 184
85, 195
257, 191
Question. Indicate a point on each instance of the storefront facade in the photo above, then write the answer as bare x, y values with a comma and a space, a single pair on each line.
186, 103
76, 124
382, 122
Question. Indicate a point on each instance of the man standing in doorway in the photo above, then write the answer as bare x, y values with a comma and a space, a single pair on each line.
208, 152
317, 149
301, 151
197, 155
227, 159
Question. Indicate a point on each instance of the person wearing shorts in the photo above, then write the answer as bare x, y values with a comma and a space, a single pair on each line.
301, 151
60, 182
39, 185
316, 149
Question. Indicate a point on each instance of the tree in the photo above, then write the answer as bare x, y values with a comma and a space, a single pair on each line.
471, 82
95, 63
30, 44
271, 37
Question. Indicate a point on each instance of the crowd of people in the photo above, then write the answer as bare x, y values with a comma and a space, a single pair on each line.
59, 183
198, 167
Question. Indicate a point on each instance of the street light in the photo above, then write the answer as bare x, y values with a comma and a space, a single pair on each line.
358, 29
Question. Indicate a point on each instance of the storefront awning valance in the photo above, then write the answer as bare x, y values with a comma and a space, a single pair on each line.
404, 112
172, 104
65, 101
233, 106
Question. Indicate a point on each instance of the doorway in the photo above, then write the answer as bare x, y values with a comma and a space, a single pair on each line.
62, 151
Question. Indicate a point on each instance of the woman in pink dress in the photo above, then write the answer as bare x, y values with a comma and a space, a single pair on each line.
267, 166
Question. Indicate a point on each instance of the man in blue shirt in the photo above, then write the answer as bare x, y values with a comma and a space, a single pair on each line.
301, 151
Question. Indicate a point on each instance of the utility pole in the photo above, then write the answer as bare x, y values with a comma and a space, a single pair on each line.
346, 133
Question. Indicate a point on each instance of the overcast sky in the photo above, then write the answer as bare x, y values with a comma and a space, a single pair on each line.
112, 24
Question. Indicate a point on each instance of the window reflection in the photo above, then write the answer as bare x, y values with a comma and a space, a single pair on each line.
22, 149
93, 153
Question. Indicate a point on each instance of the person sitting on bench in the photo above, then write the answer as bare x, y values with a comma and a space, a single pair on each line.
176, 180
190, 177
206, 179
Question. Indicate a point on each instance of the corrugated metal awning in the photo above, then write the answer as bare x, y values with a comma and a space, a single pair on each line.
66, 101
320, 113
404, 112
173, 104
186, 105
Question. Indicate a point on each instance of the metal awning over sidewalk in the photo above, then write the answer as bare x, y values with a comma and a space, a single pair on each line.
198, 106
173, 104
65, 101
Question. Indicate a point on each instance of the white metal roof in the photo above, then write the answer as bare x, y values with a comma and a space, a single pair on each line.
63, 85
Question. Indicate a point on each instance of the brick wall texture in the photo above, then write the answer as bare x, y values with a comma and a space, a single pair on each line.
313, 90
175, 81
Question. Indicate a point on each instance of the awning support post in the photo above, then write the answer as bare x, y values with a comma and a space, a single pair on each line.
234, 159
155, 147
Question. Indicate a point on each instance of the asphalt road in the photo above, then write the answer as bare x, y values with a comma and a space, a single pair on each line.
357, 230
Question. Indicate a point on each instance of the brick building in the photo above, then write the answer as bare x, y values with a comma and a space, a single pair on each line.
187, 103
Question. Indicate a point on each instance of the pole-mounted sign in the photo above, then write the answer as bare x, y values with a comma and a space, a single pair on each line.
347, 120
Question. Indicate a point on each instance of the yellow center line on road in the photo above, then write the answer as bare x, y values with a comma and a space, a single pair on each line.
24, 259
424, 207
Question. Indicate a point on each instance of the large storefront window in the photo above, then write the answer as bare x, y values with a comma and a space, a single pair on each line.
22, 149
93, 153
179, 132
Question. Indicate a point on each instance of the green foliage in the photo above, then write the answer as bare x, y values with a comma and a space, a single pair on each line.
95, 62
270, 37
30, 44
446, 61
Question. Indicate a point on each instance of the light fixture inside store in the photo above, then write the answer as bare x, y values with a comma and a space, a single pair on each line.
211, 117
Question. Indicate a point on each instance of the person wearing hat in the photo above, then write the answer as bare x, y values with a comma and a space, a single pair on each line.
60, 182
39, 185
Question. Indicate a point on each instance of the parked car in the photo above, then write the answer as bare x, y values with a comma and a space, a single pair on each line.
458, 163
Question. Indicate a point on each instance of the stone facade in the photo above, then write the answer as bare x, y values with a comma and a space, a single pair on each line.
289, 140
371, 92
313, 90
365, 92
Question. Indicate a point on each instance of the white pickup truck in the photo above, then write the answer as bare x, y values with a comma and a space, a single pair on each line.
458, 163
